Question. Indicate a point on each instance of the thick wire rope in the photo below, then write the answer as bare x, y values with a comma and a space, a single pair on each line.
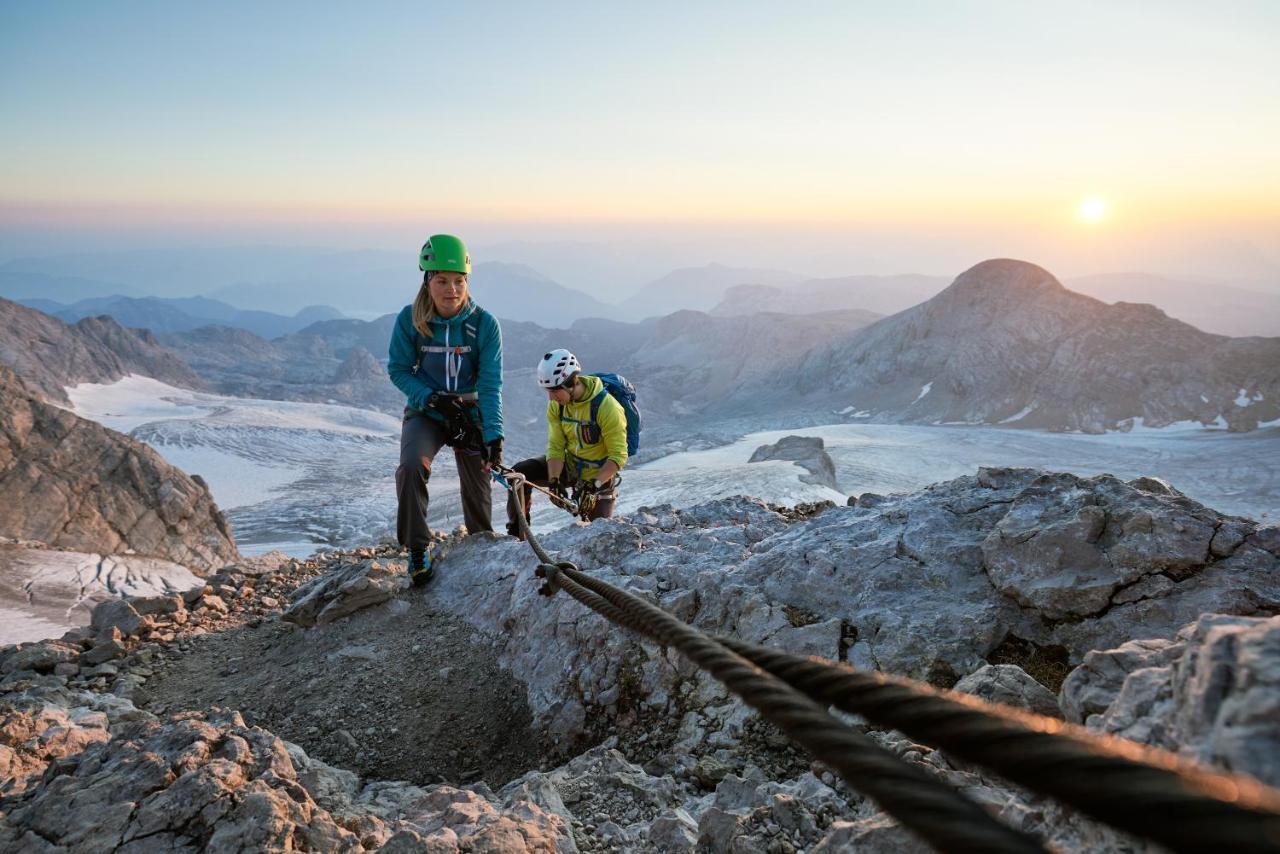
1138, 789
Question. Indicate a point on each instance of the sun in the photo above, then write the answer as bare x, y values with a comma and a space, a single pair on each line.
1092, 209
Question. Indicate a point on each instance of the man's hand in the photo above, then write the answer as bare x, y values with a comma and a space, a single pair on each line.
586, 490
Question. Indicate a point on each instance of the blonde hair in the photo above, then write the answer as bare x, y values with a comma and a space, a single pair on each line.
424, 307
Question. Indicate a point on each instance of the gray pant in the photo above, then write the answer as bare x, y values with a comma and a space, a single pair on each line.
421, 438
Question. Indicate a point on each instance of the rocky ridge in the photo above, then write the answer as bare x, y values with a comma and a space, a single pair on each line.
71, 483
942, 583
51, 355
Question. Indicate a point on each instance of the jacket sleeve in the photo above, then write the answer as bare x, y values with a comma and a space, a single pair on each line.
489, 377
400, 361
613, 430
555, 436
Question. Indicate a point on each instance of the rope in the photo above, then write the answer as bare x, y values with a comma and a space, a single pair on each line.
1135, 788
1131, 787
943, 817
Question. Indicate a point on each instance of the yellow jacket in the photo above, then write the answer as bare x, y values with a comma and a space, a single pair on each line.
564, 435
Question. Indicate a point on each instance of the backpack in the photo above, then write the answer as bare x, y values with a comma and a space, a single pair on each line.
621, 390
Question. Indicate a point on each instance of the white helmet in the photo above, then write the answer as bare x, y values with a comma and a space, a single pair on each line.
556, 367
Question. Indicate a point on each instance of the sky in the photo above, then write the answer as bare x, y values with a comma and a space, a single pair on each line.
825, 138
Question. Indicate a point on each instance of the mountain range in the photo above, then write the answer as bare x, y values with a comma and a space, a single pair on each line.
370, 283
181, 314
1006, 343
1210, 306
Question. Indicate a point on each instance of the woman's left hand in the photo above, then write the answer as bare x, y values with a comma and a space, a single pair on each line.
492, 455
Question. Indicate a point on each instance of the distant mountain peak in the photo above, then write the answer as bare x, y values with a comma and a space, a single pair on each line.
1007, 277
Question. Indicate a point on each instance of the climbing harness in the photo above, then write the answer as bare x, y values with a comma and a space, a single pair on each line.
588, 495
1141, 790
510, 479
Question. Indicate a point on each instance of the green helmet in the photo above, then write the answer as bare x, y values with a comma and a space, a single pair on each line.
444, 252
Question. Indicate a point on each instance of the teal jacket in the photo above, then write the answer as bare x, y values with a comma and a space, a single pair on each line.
463, 354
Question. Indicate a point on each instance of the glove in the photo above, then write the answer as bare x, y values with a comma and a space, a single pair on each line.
587, 490
558, 489
493, 453
460, 432
447, 405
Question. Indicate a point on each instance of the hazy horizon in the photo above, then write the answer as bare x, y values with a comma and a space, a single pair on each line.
610, 144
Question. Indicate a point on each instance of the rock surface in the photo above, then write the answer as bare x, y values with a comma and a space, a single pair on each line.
1212, 693
71, 483
1010, 685
89, 773
669, 760
930, 585
805, 451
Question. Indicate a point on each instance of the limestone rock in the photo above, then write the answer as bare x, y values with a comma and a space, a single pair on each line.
916, 584
118, 614
41, 657
1068, 551
345, 591
1212, 694
808, 452
1090, 688
1010, 685
127, 781
72, 483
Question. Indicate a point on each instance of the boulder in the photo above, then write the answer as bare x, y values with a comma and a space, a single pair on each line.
808, 452
41, 657
71, 483
120, 615
345, 591
1090, 688
1010, 685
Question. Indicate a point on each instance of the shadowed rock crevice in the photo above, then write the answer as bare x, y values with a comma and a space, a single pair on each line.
395, 689
1048, 664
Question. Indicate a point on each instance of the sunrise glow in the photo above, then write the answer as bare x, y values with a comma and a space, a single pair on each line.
1092, 210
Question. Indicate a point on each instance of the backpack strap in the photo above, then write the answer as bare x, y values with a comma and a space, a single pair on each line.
595, 404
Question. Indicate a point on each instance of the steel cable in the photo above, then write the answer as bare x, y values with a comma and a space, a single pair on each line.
1144, 791
924, 804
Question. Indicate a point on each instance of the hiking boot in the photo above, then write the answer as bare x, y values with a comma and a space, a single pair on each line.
514, 531
420, 569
